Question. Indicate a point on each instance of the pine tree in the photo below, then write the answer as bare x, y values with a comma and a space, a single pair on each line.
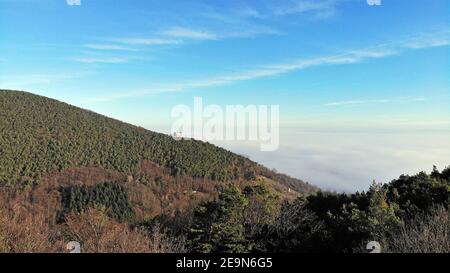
218, 226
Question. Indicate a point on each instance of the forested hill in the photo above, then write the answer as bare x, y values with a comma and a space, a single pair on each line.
39, 135
70, 174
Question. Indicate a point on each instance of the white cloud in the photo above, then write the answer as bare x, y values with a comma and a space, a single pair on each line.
428, 40
108, 47
108, 60
250, 12
320, 8
349, 57
147, 41
250, 31
224, 24
377, 101
179, 36
188, 33
32, 79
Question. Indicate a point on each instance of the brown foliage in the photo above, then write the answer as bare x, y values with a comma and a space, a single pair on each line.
98, 234
423, 234
162, 242
23, 232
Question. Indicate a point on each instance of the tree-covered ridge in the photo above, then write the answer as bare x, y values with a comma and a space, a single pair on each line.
111, 195
38, 135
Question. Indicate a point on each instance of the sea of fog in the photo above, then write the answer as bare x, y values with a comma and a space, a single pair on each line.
349, 160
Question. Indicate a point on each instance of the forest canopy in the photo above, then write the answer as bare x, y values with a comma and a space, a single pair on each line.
40, 135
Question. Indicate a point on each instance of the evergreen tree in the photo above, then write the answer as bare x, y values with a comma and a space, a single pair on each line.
218, 226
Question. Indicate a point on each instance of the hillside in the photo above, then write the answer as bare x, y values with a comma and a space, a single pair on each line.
40, 135
70, 174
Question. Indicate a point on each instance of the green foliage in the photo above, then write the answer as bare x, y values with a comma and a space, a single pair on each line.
250, 175
110, 195
382, 215
218, 226
39, 135
353, 219
262, 209
290, 182
420, 192
324, 222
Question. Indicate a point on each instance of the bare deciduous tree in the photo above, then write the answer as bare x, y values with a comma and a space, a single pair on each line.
426, 233
23, 232
162, 242
99, 234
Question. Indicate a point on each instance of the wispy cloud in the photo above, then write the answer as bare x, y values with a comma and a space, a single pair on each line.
427, 40
349, 57
182, 35
208, 24
147, 41
109, 47
251, 31
250, 12
106, 60
319, 8
375, 101
180, 32
32, 79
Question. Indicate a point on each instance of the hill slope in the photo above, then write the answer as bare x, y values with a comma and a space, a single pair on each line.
41, 135
70, 174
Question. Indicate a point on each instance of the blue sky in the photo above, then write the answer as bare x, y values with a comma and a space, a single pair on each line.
332, 65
